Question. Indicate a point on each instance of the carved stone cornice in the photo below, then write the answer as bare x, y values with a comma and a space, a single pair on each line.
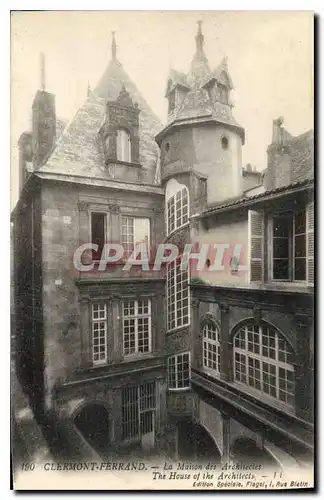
158, 210
195, 302
224, 307
115, 209
83, 206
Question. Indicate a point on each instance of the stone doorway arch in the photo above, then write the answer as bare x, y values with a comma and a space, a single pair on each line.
194, 442
92, 421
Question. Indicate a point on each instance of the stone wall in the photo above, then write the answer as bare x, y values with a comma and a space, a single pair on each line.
65, 225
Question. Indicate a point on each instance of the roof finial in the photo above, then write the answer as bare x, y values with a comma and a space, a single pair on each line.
199, 38
113, 46
42, 71
225, 59
88, 90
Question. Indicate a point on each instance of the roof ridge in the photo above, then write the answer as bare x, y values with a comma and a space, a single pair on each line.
303, 134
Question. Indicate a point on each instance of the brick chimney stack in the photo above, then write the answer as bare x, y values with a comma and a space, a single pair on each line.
277, 130
278, 170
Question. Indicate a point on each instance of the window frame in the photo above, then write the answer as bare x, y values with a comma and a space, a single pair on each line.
209, 343
175, 375
134, 218
290, 215
172, 308
136, 317
91, 213
184, 217
98, 320
263, 359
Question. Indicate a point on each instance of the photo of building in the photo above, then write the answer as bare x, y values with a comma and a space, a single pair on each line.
214, 359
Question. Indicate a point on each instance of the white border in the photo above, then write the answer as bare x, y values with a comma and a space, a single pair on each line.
315, 5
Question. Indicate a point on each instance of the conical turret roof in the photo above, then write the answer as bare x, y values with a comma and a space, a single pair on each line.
197, 102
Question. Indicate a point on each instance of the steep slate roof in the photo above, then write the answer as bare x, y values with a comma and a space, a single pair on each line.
301, 149
176, 78
295, 159
250, 200
198, 102
220, 74
78, 150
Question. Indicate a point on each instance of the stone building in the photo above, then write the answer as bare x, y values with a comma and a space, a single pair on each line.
207, 360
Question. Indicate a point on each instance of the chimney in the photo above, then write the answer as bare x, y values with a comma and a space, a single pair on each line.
278, 169
44, 122
277, 131
25, 147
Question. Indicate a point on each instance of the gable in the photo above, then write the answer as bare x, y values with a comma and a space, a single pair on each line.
78, 151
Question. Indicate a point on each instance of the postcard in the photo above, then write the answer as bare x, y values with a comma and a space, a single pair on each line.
162, 242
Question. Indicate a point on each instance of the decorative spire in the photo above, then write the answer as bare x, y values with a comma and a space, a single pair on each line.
42, 71
199, 68
124, 98
113, 46
88, 89
224, 63
199, 39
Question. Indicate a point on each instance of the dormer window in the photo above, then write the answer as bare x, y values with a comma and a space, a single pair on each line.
223, 93
120, 130
123, 145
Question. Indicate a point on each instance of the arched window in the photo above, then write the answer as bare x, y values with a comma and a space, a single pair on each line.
177, 209
263, 360
123, 145
211, 346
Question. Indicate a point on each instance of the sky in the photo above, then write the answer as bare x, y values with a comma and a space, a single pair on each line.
270, 60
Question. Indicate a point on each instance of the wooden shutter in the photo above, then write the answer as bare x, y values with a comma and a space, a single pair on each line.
310, 242
256, 245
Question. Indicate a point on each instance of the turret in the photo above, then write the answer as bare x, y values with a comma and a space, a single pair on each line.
202, 139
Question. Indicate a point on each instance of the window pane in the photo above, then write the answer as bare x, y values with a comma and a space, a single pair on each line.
300, 269
281, 226
300, 222
240, 367
142, 231
137, 327
99, 333
280, 248
98, 233
177, 296
268, 370
280, 269
300, 245
179, 371
123, 145
211, 354
177, 210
